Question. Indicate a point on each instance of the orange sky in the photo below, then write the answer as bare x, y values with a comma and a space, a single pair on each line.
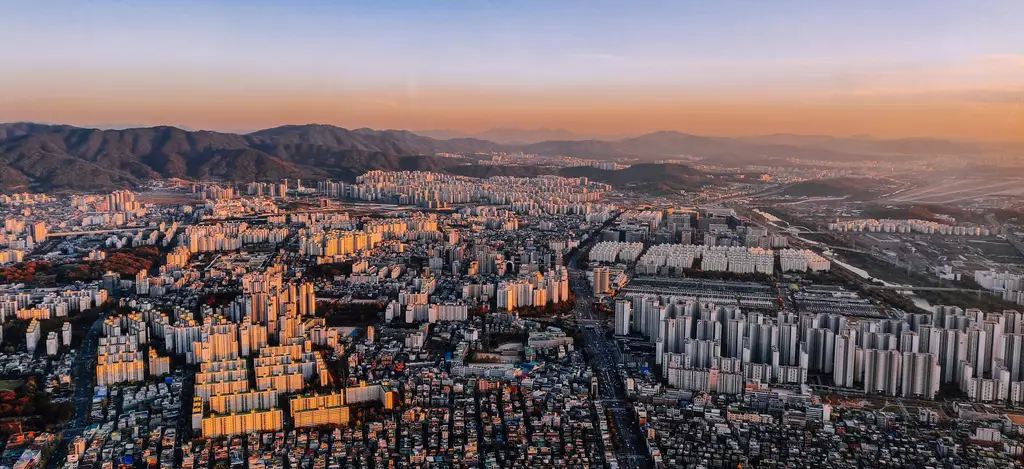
944, 68
974, 114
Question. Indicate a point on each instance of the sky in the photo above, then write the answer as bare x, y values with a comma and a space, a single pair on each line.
934, 68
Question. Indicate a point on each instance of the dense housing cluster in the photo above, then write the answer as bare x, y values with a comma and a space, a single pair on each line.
413, 319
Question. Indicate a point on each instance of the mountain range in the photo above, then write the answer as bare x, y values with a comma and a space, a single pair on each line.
53, 157
48, 157
512, 136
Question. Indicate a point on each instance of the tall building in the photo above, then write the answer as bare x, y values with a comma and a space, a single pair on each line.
882, 371
846, 352
910, 342
952, 351
32, 336
789, 344
235, 424
623, 316
993, 344
978, 350
158, 365
1014, 352
821, 346
921, 375
52, 343
319, 409
65, 332
39, 232
602, 280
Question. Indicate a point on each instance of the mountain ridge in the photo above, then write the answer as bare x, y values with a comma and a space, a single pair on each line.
45, 157
52, 156
519, 136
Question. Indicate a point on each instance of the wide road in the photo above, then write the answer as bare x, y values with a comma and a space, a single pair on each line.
83, 369
82, 376
604, 358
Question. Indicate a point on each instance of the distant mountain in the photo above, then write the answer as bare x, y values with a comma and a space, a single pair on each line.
879, 147
17, 129
442, 134
670, 144
512, 136
594, 149
487, 171
384, 141
646, 177
124, 126
46, 157
779, 148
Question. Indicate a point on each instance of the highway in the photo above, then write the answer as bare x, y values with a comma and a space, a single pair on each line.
61, 234
604, 358
83, 374
909, 288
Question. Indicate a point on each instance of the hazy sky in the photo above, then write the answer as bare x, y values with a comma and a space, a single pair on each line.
948, 68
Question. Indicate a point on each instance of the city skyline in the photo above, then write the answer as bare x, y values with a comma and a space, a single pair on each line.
477, 234
950, 69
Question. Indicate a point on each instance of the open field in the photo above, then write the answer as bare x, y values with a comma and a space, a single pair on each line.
952, 190
11, 384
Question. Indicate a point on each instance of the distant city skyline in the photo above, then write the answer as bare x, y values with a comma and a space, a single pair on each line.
944, 68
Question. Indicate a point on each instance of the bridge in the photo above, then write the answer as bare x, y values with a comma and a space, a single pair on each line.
83, 233
911, 288
895, 262
841, 248
800, 229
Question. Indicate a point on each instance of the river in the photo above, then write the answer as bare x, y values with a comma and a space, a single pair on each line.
918, 301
